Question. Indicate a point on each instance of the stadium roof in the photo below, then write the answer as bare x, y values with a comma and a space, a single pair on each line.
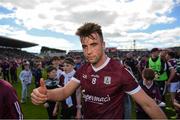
10, 42
45, 49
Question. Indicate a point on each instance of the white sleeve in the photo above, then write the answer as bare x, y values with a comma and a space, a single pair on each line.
134, 91
18, 109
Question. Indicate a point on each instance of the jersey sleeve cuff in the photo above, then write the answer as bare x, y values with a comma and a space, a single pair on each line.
134, 91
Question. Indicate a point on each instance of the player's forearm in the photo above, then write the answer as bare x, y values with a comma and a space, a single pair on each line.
78, 96
149, 105
63, 92
154, 111
56, 94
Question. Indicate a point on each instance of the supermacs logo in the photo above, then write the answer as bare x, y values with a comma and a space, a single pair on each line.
96, 99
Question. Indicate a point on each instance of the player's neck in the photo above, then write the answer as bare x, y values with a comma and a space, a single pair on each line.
101, 61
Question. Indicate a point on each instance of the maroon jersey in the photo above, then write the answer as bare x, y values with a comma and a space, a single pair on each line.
103, 89
9, 105
172, 63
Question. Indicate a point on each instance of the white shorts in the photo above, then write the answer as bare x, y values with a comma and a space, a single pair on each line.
174, 86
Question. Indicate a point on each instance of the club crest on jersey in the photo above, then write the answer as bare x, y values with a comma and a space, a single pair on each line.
107, 80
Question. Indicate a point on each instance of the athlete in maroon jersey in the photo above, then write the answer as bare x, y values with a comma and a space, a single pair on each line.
104, 82
9, 105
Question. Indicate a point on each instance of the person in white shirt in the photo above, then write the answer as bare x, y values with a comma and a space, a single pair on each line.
26, 79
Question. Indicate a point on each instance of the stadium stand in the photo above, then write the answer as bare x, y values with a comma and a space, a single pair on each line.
11, 48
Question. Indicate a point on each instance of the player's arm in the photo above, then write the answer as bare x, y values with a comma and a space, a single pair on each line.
64, 92
78, 106
41, 94
148, 104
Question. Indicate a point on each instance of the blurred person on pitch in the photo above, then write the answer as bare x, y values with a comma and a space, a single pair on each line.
37, 73
159, 66
51, 83
25, 77
173, 81
56, 61
68, 106
150, 87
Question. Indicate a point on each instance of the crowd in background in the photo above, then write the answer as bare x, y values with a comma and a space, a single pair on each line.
60, 69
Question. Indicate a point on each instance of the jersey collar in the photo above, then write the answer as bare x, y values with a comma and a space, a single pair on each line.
148, 87
102, 66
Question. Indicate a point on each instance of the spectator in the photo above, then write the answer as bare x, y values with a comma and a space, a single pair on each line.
26, 78
5, 70
37, 73
159, 66
51, 83
13, 71
150, 87
68, 106
55, 63
173, 81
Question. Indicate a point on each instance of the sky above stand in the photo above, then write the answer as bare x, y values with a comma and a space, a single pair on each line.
53, 23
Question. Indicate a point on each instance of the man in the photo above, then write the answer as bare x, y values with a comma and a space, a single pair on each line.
131, 64
159, 66
5, 70
103, 82
37, 73
173, 80
9, 104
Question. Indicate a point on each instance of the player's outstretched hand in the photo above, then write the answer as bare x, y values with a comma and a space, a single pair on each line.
39, 95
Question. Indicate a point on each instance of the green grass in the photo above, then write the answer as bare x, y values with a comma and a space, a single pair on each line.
31, 111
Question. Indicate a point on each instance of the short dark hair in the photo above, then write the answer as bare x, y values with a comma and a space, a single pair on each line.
62, 57
55, 58
172, 54
148, 74
87, 29
154, 50
69, 60
50, 68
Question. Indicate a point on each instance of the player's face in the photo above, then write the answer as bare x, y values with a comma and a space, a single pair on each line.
93, 49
